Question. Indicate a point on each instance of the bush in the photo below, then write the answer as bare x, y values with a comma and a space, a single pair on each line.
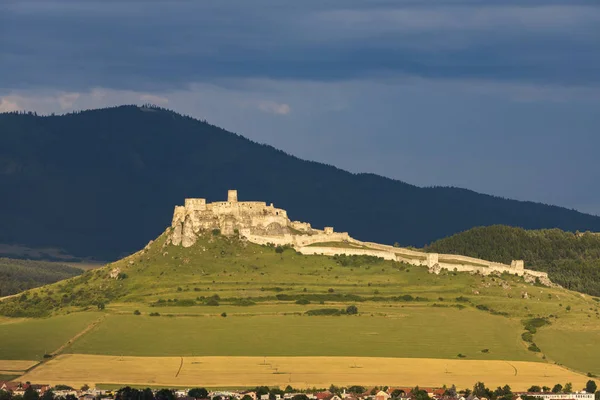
324, 311
244, 302
527, 337
137, 312
216, 232
223, 314
533, 347
533, 323
302, 301
351, 310
212, 302
461, 355
155, 314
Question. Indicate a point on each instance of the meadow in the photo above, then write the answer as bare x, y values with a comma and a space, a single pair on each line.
226, 298
30, 339
399, 332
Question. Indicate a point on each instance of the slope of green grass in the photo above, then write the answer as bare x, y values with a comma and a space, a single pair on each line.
394, 332
403, 310
30, 339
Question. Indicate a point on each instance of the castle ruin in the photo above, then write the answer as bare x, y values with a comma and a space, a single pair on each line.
264, 224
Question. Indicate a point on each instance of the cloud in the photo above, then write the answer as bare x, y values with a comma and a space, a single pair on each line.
274, 108
66, 100
154, 99
121, 47
8, 105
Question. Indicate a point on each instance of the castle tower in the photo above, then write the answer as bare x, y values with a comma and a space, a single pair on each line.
232, 196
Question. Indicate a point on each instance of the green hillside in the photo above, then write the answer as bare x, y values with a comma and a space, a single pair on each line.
96, 169
571, 259
19, 275
224, 296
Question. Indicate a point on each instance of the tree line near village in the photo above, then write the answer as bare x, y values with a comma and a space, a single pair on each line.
479, 390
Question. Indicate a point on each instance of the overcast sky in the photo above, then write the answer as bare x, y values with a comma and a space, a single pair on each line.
500, 97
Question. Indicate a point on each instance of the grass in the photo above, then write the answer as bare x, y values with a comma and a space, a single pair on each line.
30, 339
578, 349
400, 332
76, 370
388, 325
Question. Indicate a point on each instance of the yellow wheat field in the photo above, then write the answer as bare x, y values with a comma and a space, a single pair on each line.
76, 370
16, 365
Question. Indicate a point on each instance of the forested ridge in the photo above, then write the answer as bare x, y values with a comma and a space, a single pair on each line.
19, 275
571, 259
102, 183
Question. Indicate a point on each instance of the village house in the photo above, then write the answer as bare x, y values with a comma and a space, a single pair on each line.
557, 396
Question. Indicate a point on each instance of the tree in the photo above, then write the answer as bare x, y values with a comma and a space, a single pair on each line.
48, 395
300, 397
545, 389
101, 306
198, 393
591, 387
147, 394
4, 395
30, 394
451, 391
418, 394
85, 388
127, 393
351, 310
480, 390
568, 387
274, 392
534, 389
164, 394
398, 393
247, 397
557, 388
357, 389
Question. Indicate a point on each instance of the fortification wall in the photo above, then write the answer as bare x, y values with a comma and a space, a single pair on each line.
332, 251
262, 224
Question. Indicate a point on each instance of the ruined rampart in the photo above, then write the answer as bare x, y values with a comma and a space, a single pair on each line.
264, 224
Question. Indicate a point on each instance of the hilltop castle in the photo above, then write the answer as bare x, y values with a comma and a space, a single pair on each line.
263, 224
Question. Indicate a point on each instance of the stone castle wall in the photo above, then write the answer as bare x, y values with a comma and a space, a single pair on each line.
266, 225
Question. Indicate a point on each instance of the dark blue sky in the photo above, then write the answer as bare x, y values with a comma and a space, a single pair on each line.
501, 98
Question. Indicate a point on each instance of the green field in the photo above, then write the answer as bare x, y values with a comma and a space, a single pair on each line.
571, 347
402, 332
403, 310
31, 339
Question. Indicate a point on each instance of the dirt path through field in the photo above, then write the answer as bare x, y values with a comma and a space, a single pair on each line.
78, 335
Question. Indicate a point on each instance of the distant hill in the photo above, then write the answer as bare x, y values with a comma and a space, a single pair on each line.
571, 260
19, 275
102, 183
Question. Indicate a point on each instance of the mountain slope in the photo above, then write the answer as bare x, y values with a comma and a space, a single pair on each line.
19, 275
102, 183
571, 260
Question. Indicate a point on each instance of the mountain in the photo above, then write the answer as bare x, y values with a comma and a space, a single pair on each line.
102, 183
19, 275
571, 259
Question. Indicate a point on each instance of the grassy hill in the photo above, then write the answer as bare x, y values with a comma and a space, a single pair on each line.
102, 182
19, 275
224, 297
571, 259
